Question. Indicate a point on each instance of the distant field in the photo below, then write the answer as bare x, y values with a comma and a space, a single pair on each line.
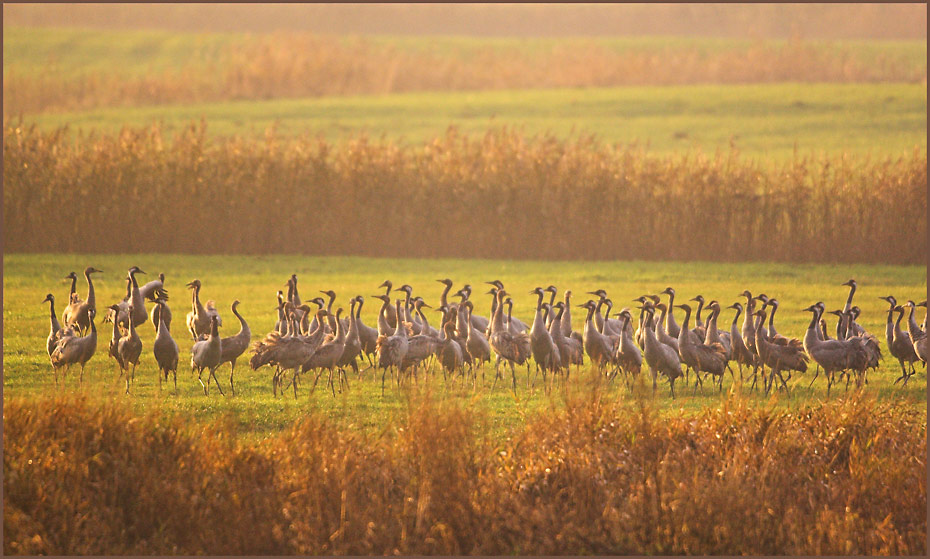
254, 281
762, 121
73, 51
58, 70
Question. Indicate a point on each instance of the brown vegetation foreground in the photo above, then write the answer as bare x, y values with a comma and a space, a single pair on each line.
501, 195
301, 65
845, 477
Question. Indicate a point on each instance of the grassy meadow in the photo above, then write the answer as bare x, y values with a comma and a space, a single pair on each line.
764, 122
255, 279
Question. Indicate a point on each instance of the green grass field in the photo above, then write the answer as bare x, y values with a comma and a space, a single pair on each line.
254, 280
762, 121
74, 51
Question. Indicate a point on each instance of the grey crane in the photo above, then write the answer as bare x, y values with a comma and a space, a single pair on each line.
76, 349
129, 349
515, 323
73, 297
508, 345
384, 327
918, 336
56, 332
234, 346
448, 352
476, 344
391, 350
566, 319
555, 330
832, 356
660, 357
671, 325
699, 328
281, 325
327, 356
288, 351
661, 334
113, 347
161, 311
199, 319
78, 314
738, 350
701, 357
391, 312
367, 335
596, 345
852, 291
165, 349
425, 328
411, 319
571, 350
206, 354
788, 357
137, 314
541, 345
899, 342
155, 290
628, 355
353, 343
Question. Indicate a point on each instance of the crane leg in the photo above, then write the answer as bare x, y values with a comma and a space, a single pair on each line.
513, 375
217, 382
232, 368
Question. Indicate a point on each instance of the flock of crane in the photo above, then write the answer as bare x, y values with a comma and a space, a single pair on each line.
305, 339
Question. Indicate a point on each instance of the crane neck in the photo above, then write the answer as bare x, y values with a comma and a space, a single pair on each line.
400, 330
739, 311
444, 297
91, 299
897, 324
852, 291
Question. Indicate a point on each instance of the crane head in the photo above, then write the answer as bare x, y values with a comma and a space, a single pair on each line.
447, 282
71, 276
850, 283
699, 299
318, 301
194, 284
669, 291
91, 270
49, 297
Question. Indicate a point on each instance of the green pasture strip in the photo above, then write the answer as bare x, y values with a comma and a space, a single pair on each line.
771, 122
73, 51
255, 279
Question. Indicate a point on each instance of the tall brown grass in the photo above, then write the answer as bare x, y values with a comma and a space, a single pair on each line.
591, 476
300, 65
500, 195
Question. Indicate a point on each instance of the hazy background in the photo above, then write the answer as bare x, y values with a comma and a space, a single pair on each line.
815, 21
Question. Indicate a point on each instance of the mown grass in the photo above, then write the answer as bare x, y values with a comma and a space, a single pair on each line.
254, 281
765, 122
845, 477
